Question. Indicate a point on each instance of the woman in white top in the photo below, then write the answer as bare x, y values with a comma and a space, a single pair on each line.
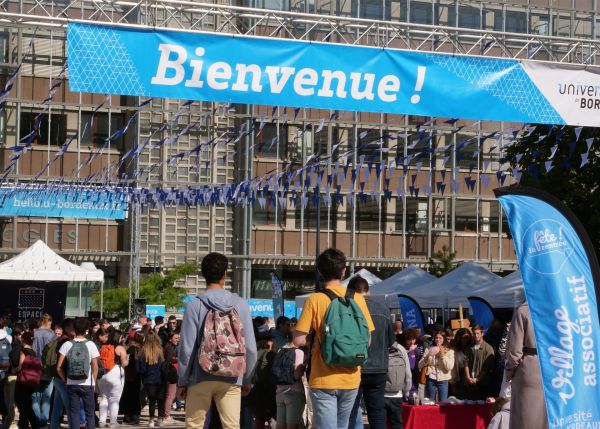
439, 360
290, 397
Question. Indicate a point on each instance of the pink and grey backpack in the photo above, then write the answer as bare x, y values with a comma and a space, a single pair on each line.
223, 348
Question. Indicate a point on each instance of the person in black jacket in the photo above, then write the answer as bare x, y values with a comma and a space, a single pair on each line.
23, 392
11, 378
374, 371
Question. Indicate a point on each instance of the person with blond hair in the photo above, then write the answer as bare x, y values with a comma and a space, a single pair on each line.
149, 367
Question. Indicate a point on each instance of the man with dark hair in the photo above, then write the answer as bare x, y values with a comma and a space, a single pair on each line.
79, 388
374, 371
333, 389
198, 387
43, 393
480, 366
282, 327
61, 396
167, 329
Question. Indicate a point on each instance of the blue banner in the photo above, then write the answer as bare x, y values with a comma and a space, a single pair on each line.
482, 312
86, 204
264, 308
278, 306
155, 310
412, 316
559, 270
253, 70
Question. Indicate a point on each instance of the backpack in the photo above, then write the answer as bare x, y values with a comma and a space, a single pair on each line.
283, 369
223, 348
31, 371
78, 361
5, 349
345, 333
50, 358
396, 371
107, 356
261, 398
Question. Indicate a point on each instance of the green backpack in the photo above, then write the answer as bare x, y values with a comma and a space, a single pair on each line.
345, 339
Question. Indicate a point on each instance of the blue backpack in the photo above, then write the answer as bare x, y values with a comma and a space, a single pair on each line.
5, 349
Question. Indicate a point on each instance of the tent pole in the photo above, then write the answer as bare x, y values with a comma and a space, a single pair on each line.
101, 299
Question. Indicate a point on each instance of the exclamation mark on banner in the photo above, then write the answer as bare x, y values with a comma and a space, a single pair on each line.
419, 85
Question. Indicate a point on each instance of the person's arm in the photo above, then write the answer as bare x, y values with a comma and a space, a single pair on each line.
21, 360
488, 366
300, 338
407, 373
190, 329
59, 367
447, 360
305, 324
299, 364
94, 369
251, 352
122, 354
514, 343
424, 361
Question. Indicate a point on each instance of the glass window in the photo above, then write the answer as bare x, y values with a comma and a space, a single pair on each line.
489, 216
466, 145
421, 12
442, 213
367, 215
51, 131
97, 133
271, 4
4, 47
267, 143
562, 25
372, 9
266, 215
469, 17
539, 23
466, 216
515, 22
416, 215
369, 145
310, 213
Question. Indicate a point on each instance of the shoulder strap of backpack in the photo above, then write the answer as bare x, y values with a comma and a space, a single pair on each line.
330, 294
349, 293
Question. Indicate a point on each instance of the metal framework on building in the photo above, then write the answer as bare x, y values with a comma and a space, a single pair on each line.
158, 238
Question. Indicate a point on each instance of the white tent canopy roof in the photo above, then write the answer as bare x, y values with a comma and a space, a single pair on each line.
41, 263
507, 292
469, 279
371, 278
365, 274
409, 277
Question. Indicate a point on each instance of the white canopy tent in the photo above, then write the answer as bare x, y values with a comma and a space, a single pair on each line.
507, 292
451, 290
40, 263
409, 277
371, 278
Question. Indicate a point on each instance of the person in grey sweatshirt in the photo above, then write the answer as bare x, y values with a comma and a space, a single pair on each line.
196, 386
43, 393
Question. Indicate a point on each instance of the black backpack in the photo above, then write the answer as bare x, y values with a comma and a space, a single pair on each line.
282, 371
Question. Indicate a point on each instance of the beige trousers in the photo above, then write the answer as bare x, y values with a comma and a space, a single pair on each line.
227, 397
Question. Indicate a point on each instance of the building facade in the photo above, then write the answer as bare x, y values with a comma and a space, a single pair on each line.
382, 231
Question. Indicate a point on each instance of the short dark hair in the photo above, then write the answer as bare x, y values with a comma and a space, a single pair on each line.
159, 319
281, 320
358, 284
331, 264
213, 267
81, 325
27, 338
477, 327
172, 317
67, 324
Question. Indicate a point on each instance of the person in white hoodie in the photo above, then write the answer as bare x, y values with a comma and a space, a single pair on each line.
398, 384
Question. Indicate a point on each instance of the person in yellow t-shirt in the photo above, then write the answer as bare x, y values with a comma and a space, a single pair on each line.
332, 389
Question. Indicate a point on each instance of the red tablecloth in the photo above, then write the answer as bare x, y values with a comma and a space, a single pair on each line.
446, 416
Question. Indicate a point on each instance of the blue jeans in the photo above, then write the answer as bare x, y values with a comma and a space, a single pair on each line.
332, 407
78, 393
61, 399
440, 387
40, 401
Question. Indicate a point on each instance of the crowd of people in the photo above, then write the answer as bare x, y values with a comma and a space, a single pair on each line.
344, 357
85, 373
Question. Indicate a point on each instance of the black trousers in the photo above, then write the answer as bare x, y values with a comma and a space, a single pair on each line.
156, 396
393, 411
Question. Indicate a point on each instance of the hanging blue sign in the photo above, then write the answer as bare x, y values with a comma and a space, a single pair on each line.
279, 72
155, 310
64, 203
482, 312
560, 273
278, 303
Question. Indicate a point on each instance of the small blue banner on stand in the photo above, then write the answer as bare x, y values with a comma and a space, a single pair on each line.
155, 310
264, 308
